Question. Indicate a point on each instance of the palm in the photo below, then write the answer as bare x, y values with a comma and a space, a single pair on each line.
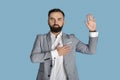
91, 24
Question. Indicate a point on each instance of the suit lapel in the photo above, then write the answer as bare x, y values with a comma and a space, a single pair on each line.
49, 41
64, 38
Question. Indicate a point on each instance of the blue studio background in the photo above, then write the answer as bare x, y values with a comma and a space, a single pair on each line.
22, 20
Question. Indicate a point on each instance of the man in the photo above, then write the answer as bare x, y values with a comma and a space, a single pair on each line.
55, 51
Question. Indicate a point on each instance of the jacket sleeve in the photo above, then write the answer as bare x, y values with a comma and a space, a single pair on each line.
37, 55
89, 48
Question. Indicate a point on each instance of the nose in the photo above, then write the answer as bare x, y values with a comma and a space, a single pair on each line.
55, 21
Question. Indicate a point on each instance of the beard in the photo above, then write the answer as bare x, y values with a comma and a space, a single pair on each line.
55, 29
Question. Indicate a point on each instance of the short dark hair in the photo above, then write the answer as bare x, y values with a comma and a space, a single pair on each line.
56, 10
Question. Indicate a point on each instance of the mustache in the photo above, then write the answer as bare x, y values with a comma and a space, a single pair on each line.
56, 25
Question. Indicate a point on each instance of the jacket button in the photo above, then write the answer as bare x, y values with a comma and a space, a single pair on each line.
51, 65
48, 75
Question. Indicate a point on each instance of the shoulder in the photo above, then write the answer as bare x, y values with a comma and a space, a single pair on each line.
41, 36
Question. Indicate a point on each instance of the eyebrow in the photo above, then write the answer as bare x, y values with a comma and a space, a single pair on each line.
54, 18
59, 18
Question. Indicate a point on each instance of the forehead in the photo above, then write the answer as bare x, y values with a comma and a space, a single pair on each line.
56, 15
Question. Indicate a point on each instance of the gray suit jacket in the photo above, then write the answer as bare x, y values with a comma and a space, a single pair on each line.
41, 54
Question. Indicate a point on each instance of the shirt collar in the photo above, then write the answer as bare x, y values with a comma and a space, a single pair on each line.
53, 36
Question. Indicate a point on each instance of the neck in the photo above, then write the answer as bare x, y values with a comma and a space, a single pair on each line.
56, 33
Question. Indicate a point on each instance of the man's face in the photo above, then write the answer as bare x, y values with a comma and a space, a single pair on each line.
56, 21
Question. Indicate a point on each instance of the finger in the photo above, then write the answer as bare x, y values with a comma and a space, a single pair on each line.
66, 50
90, 17
66, 46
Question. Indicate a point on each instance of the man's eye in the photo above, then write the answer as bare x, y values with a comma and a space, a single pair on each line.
51, 19
59, 19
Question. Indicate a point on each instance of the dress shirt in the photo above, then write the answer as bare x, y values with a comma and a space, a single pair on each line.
58, 72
